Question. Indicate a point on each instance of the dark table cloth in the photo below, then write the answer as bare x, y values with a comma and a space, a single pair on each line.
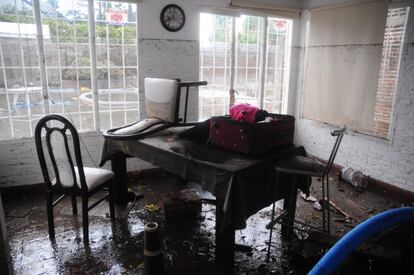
245, 184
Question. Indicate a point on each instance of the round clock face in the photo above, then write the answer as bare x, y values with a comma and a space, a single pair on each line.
172, 18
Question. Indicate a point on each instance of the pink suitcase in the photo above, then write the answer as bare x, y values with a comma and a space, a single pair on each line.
251, 139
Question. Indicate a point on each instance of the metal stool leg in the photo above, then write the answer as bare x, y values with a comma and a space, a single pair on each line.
270, 234
328, 206
323, 206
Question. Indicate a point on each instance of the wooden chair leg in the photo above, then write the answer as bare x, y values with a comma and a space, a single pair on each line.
290, 205
275, 187
49, 208
111, 200
74, 207
85, 221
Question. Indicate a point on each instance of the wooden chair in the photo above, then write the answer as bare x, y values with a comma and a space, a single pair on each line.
307, 166
71, 178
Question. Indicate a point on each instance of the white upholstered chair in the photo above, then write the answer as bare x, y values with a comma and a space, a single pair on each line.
161, 104
162, 101
70, 177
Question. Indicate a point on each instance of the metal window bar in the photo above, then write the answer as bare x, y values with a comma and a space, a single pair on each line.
225, 66
93, 68
123, 72
214, 63
29, 112
42, 59
286, 67
109, 72
201, 73
59, 60
247, 56
6, 89
77, 72
232, 62
257, 85
263, 62
278, 69
137, 54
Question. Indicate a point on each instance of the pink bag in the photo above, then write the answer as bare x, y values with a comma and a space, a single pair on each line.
244, 112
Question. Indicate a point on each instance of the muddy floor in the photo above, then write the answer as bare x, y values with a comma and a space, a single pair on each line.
188, 242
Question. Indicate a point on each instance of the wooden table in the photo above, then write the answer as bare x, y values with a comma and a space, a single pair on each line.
242, 185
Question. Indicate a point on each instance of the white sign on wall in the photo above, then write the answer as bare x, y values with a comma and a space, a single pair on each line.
116, 17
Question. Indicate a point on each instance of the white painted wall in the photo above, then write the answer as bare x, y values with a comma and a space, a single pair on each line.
392, 160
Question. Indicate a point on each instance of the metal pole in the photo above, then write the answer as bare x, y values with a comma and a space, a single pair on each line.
42, 58
92, 53
232, 61
263, 61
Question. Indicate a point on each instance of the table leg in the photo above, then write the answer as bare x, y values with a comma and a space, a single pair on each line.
224, 241
119, 167
290, 205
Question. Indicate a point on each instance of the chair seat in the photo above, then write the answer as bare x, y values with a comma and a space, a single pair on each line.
300, 165
94, 177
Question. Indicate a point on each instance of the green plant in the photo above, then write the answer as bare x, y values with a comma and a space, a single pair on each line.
65, 28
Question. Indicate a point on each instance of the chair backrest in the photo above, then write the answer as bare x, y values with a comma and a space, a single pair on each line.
57, 129
339, 135
161, 96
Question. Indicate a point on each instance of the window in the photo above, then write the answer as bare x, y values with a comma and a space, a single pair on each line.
68, 67
247, 56
277, 65
259, 79
20, 72
68, 71
117, 64
351, 66
215, 53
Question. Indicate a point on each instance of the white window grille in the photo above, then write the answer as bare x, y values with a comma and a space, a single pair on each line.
117, 64
259, 71
68, 69
20, 72
215, 55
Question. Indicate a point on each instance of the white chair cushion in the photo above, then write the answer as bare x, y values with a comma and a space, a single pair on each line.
93, 177
161, 97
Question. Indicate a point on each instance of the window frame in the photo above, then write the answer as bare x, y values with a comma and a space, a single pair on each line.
389, 139
43, 67
262, 58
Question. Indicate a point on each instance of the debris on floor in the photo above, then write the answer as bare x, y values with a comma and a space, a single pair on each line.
307, 198
354, 177
186, 203
188, 245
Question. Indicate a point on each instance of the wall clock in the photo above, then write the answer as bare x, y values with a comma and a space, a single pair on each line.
172, 18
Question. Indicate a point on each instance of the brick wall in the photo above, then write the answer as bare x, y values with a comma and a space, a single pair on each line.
394, 32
